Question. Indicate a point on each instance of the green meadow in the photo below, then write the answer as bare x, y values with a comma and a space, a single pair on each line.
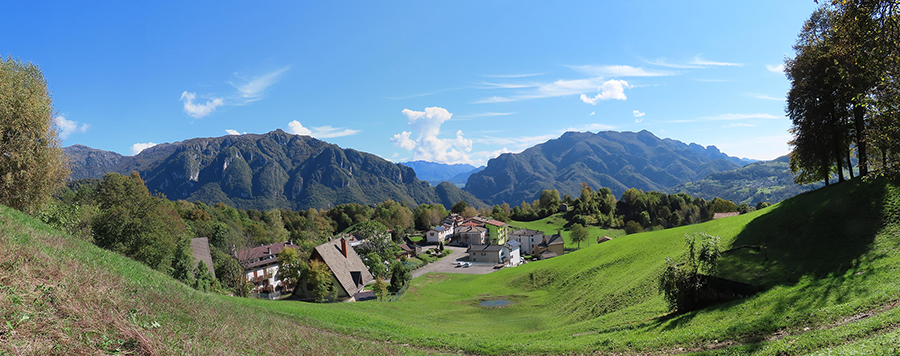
828, 262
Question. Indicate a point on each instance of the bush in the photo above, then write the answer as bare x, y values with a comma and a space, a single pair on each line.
633, 227
681, 283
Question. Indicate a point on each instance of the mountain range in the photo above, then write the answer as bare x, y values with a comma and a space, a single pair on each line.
281, 170
616, 160
435, 173
272, 170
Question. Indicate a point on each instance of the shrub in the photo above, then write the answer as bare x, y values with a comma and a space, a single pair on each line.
681, 283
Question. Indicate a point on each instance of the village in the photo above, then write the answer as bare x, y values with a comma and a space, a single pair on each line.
476, 245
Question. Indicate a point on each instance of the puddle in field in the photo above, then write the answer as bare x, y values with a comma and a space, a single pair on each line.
496, 303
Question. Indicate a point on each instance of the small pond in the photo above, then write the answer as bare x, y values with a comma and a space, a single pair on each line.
496, 303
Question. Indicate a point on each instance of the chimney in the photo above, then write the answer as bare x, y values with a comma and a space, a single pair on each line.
344, 247
268, 250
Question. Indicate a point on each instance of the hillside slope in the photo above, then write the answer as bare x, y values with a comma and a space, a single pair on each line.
63, 296
766, 181
830, 273
273, 170
616, 160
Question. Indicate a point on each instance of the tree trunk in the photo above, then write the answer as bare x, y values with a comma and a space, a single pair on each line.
859, 113
849, 164
840, 165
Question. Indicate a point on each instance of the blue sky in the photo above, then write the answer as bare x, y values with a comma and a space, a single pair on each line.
450, 82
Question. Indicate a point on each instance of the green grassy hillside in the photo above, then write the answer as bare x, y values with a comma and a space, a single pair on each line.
829, 268
63, 296
831, 277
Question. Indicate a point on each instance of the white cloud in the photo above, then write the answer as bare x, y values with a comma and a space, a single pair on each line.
702, 62
68, 127
233, 132
489, 85
611, 89
493, 99
776, 69
637, 113
138, 147
592, 113
296, 128
423, 138
319, 132
620, 71
253, 88
199, 110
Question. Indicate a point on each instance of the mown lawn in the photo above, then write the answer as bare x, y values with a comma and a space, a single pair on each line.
554, 223
830, 258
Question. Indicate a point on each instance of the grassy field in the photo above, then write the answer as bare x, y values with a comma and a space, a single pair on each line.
556, 222
830, 269
62, 296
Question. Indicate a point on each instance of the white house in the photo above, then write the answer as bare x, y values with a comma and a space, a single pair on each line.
512, 253
528, 238
261, 266
438, 234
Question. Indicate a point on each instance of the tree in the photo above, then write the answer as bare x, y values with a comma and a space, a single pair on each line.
32, 164
290, 265
375, 264
203, 280
579, 234
399, 276
459, 207
380, 288
318, 280
681, 282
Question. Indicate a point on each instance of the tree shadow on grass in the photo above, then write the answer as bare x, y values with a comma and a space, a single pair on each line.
809, 243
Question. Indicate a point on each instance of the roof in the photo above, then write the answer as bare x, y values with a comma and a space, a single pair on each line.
526, 232
470, 224
725, 215
552, 240
438, 228
547, 254
407, 247
485, 248
603, 239
512, 244
200, 250
350, 272
496, 223
262, 255
470, 229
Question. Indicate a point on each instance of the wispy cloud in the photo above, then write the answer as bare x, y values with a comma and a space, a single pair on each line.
68, 127
138, 147
637, 113
247, 91
253, 88
706, 63
711, 80
422, 94
197, 110
730, 117
514, 75
776, 69
295, 127
493, 99
620, 71
662, 62
611, 89
488, 85
765, 97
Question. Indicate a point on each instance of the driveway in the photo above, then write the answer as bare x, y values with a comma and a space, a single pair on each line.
448, 264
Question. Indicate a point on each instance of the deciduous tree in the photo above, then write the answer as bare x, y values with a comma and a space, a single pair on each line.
32, 164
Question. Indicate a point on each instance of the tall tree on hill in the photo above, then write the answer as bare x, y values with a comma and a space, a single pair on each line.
32, 164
